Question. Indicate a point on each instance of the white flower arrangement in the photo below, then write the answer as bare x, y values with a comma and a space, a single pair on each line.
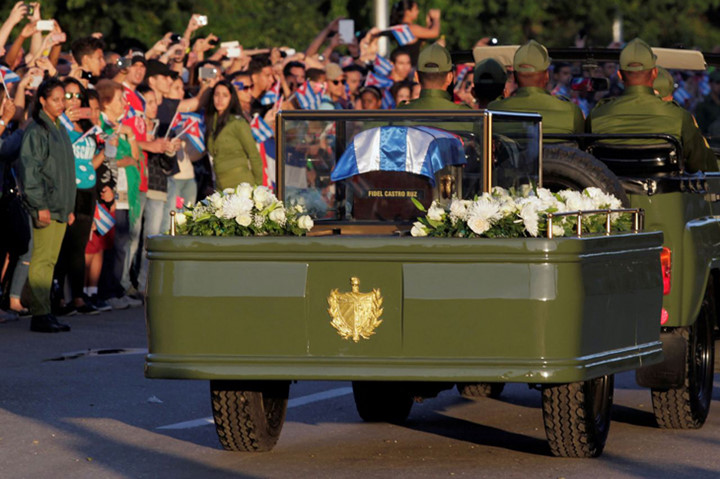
243, 211
511, 214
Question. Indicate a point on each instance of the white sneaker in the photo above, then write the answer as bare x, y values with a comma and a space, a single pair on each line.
119, 303
132, 302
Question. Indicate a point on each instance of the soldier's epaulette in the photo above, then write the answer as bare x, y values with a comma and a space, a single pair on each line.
562, 97
602, 101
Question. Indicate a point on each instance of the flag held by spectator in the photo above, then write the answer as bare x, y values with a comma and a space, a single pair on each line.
420, 150
382, 66
8, 75
306, 97
402, 34
272, 95
260, 129
103, 220
192, 126
377, 80
462, 72
388, 102
66, 122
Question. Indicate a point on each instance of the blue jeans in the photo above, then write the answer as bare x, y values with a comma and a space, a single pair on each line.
153, 219
135, 230
186, 189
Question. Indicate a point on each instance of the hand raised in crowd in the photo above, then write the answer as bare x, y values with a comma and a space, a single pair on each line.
160, 47
29, 29
193, 24
219, 54
369, 45
97, 35
202, 45
432, 16
7, 111
36, 12
44, 64
17, 13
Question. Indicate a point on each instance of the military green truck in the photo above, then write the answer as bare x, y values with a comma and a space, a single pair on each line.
359, 299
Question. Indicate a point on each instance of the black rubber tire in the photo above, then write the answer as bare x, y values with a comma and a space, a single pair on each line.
687, 407
382, 401
480, 390
249, 415
565, 167
577, 416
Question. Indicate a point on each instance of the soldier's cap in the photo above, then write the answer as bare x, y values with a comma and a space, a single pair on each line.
531, 57
434, 59
664, 84
333, 71
637, 56
488, 72
715, 76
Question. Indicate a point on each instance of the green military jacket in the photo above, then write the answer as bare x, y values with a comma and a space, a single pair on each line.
640, 111
236, 158
558, 116
433, 100
47, 169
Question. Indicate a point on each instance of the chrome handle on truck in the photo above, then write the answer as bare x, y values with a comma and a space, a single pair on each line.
638, 219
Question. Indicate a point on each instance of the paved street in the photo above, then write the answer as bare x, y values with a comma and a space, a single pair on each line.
77, 406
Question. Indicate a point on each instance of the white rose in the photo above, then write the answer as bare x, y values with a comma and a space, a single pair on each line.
435, 213
278, 216
482, 214
244, 219
526, 190
228, 191
499, 191
558, 230
180, 219
458, 210
305, 222
215, 200
263, 197
244, 190
529, 215
418, 229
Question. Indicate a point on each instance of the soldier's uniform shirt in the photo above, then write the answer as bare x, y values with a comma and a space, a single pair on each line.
433, 100
638, 110
558, 116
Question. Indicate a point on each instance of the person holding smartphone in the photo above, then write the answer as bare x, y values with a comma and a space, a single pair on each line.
71, 263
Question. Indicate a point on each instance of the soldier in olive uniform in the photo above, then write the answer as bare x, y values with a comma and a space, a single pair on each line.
664, 84
638, 110
435, 73
531, 64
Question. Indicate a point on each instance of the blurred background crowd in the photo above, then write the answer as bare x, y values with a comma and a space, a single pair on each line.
152, 127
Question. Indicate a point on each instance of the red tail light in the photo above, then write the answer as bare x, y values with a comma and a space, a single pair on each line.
666, 263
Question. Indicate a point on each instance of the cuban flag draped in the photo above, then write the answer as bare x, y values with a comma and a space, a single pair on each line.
272, 95
260, 129
8, 75
103, 220
192, 126
402, 34
420, 150
66, 122
306, 97
374, 79
382, 66
388, 102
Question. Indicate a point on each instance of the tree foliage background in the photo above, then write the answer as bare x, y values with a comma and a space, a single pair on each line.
261, 23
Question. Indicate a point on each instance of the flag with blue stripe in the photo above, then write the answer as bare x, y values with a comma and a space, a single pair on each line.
375, 79
66, 122
462, 72
421, 150
260, 129
306, 97
382, 65
272, 95
402, 34
8, 75
388, 102
704, 85
103, 220
192, 125
681, 95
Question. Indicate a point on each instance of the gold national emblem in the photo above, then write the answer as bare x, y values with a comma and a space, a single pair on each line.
355, 315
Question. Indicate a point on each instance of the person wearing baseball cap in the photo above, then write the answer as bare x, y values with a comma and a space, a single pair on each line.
435, 74
664, 84
489, 79
559, 115
640, 111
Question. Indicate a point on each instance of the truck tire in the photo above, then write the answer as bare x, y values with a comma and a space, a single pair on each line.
687, 407
480, 390
577, 416
382, 401
249, 415
565, 167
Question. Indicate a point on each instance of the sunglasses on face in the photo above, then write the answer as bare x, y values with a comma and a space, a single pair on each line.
240, 86
69, 96
337, 82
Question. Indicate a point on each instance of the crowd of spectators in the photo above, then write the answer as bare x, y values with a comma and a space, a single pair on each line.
152, 129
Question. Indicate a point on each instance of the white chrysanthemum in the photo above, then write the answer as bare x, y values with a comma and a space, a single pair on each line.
435, 213
602, 200
482, 214
245, 190
258, 221
278, 216
305, 222
526, 190
576, 201
499, 191
228, 191
507, 205
418, 229
215, 200
263, 197
459, 210
199, 211
234, 205
529, 215
558, 230
244, 219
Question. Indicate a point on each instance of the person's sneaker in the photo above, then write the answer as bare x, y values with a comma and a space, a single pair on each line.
100, 304
134, 303
67, 310
118, 303
87, 308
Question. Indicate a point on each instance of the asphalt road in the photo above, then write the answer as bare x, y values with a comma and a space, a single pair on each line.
76, 405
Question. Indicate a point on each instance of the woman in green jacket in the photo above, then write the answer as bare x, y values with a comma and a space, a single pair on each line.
230, 142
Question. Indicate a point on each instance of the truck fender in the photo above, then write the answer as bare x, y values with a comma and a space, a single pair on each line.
671, 372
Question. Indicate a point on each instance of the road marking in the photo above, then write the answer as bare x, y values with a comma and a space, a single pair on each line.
297, 402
